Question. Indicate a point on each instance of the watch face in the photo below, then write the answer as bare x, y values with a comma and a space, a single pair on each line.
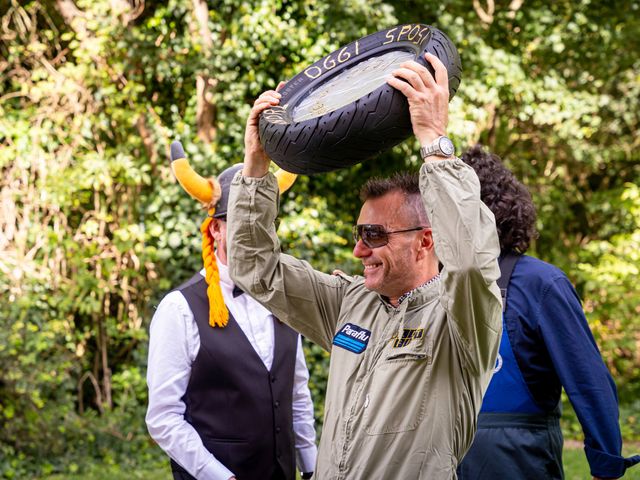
446, 146
350, 85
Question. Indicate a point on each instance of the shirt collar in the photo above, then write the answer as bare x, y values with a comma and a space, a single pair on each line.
225, 279
411, 293
223, 270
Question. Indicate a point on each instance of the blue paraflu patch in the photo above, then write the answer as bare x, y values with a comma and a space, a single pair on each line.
352, 337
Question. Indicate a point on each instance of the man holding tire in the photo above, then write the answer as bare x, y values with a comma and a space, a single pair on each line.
412, 348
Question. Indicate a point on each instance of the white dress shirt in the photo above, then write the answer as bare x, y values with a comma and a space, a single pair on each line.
173, 346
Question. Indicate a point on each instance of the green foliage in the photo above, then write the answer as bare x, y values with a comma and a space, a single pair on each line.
94, 229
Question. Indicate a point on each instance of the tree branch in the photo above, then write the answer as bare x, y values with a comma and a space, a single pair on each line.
486, 16
514, 6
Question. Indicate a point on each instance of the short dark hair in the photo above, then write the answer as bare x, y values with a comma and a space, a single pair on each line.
407, 183
506, 197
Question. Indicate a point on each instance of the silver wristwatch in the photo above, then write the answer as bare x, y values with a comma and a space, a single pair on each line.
441, 147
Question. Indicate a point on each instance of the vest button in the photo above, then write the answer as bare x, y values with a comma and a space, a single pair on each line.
276, 404
277, 429
273, 379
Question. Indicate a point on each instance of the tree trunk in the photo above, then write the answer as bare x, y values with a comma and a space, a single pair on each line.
205, 85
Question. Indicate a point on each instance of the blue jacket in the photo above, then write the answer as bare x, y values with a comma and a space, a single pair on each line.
554, 348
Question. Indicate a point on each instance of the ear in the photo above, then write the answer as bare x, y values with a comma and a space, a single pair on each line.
426, 243
215, 229
427, 238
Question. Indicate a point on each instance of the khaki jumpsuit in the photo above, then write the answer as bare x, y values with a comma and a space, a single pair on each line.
405, 384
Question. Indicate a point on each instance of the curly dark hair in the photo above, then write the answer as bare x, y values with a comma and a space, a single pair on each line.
506, 197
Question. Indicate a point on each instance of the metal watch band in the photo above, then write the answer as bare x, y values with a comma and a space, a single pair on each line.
441, 147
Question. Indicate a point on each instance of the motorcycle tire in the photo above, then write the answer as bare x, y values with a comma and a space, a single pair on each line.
315, 129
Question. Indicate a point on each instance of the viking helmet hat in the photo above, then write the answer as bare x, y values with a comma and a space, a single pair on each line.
213, 194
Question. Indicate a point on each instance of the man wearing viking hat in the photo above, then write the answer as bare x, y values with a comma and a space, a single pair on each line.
228, 393
412, 347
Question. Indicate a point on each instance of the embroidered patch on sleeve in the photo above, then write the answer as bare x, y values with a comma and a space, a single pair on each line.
352, 338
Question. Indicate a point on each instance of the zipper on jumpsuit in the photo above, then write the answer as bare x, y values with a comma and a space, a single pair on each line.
395, 311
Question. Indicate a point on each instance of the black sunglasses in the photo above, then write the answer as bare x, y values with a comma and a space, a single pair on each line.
374, 236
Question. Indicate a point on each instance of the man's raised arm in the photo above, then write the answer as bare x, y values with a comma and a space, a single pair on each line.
464, 231
307, 300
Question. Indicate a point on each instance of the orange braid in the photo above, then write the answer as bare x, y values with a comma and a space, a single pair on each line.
218, 313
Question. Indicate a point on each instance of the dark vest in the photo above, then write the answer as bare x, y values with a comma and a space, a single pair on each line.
241, 411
